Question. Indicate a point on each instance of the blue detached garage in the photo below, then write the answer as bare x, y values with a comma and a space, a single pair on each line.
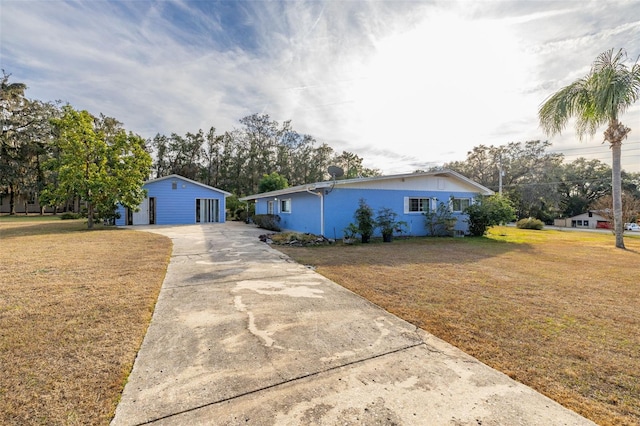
176, 200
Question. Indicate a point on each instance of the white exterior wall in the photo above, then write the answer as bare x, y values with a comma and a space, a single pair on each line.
579, 221
417, 183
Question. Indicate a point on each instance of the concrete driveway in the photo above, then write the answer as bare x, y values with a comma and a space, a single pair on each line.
242, 335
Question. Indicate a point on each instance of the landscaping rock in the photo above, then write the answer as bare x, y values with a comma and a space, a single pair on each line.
294, 239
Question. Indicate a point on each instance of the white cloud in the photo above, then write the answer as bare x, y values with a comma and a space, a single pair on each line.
402, 84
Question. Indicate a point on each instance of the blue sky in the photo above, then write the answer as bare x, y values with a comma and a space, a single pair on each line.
403, 84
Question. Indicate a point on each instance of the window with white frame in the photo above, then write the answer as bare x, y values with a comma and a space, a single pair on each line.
460, 204
285, 206
270, 209
416, 204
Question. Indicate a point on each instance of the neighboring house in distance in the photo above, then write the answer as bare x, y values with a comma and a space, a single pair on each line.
589, 220
176, 200
326, 208
22, 204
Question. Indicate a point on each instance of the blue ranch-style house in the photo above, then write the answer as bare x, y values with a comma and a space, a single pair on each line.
176, 200
327, 208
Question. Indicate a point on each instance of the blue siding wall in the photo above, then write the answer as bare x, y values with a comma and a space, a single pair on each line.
341, 203
121, 216
305, 212
177, 206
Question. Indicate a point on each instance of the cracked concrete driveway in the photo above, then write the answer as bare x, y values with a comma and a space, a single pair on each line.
241, 334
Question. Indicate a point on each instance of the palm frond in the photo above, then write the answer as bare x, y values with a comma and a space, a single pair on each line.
609, 60
612, 85
568, 102
602, 96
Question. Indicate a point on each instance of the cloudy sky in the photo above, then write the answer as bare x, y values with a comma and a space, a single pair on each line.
403, 84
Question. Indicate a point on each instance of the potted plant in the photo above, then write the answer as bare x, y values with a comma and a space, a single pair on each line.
388, 223
349, 233
364, 220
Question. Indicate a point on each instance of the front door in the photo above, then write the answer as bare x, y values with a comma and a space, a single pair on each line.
152, 210
142, 216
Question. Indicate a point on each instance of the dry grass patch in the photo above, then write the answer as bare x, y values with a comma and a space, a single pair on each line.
74, 307
555, 310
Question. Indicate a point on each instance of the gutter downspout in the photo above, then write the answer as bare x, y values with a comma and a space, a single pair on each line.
319, 194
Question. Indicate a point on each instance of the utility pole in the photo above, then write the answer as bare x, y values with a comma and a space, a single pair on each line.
501, 173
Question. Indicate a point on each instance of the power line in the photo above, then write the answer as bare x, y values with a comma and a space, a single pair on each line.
598, 147
629, 155
602, 147
514, 185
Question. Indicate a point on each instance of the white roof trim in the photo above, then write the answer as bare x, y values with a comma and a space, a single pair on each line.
327, 184
174, 176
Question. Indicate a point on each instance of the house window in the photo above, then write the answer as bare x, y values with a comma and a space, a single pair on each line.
174, 185
270, 207
285, 206
579, 223
416, 205
585, 223
459, 204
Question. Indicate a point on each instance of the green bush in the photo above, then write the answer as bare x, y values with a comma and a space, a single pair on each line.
268, 221
489, 211
69, 216
440, 222
530, 223
240, 215
364, 220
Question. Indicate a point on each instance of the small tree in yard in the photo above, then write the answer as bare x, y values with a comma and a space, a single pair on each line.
489, 211
99, 162
364, 220
630, 207
440, 221
387, 221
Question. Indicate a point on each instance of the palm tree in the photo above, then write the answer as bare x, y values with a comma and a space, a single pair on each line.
594, 100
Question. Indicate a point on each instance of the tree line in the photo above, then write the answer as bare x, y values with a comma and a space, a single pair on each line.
58, 156
55, 155
541, 185
236, 161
